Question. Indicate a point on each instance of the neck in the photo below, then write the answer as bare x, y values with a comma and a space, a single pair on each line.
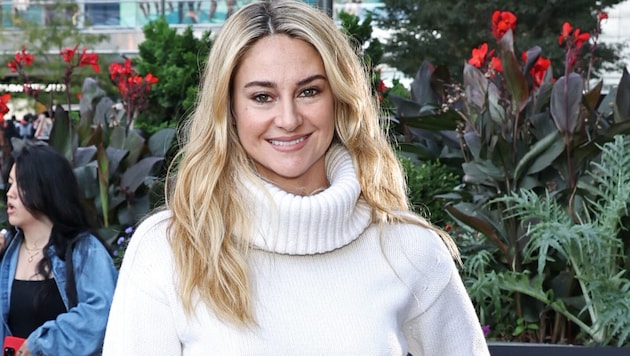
37, 235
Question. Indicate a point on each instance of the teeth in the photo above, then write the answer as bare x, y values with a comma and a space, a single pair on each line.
287, 143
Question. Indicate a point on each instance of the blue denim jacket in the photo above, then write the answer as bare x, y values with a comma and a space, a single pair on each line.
81, 330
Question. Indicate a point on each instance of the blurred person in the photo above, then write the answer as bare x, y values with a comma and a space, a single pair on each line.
57, 277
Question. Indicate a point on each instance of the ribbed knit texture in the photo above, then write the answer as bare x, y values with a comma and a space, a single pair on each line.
302, 225
324, 281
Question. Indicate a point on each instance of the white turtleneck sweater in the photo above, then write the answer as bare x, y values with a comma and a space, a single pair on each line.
324, 279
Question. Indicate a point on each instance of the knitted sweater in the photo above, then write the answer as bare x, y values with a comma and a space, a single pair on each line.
325, 281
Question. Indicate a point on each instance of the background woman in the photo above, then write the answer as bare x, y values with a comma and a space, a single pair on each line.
58, 276
288, 230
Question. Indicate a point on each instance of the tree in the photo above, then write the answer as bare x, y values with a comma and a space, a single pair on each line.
178, 60
45, 37
443, 32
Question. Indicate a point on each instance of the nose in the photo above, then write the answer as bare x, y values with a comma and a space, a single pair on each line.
289, 117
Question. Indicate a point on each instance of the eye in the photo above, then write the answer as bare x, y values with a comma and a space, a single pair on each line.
309, 92
262, 98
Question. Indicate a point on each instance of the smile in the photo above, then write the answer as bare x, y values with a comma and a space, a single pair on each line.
288, 143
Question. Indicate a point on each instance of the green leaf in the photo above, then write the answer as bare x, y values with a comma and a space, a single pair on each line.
136, 174
470, 215
103, 180
622, 99
135, 145
592, 97
61, 134
538, 150
476, 85
421, 90
161, 141
566, 96
516, 82
496, 110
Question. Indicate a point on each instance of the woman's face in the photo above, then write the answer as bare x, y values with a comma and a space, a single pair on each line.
283, 107
18, 215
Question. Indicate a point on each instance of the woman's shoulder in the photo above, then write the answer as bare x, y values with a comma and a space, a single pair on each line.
149, 241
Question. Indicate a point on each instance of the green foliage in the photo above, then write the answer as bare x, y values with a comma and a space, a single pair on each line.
177, 59
588, 243
510, 132
118, 169
443, 32
425, 180
360, 35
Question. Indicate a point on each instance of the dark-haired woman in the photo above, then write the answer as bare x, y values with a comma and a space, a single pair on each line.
56, 276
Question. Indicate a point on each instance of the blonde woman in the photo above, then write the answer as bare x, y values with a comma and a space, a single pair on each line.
287, 229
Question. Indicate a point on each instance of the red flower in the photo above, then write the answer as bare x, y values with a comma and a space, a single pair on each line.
496, 65
601, 16
4, 99
502, 21
90, 59
539, 69
13, 66
118, 72
479, 55
20, 59
68, 53
381, 86
578, 38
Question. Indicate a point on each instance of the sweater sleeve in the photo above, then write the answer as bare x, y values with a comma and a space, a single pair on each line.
141, 320
442, 320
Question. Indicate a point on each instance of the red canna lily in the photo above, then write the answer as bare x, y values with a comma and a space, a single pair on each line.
566, 32
68, 53
89, 59
496, 65
4, 100
20, 60
502, 21
580, 37
478, 55
539, 69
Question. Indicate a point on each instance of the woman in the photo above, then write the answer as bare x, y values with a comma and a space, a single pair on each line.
58, 275
287, 230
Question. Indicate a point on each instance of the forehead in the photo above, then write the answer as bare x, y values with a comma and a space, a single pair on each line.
280, 56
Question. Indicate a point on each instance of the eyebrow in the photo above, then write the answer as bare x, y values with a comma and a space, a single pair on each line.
268, 84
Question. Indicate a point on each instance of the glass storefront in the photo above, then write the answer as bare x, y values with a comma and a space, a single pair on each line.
123, 14
134, 14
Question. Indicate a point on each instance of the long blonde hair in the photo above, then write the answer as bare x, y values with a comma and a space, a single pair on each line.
209, 228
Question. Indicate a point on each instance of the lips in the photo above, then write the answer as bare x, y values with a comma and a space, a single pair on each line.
288, 142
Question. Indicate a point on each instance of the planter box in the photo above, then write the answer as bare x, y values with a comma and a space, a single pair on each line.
533, 349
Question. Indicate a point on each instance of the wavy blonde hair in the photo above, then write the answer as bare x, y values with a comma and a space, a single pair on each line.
209, 228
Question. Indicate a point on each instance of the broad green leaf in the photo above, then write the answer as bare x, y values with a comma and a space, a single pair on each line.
161, 141
592, 97
83, 155
535, 151
476, 86
496, 110
135, 175
103, 180
421, 90
482, 172
470, 215
135, 145
566, 96
62, 134
115, 157
622, 99
87, 177
514, 77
